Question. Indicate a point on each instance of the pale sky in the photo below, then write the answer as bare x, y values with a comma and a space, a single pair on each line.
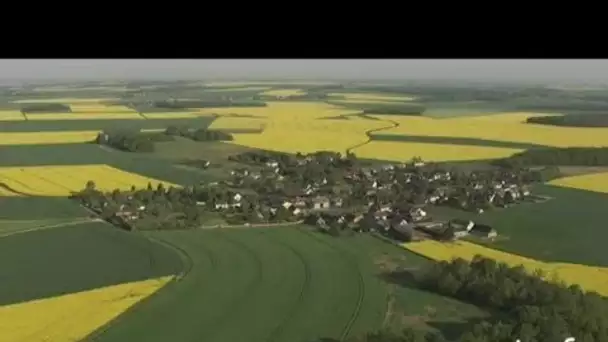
385, 69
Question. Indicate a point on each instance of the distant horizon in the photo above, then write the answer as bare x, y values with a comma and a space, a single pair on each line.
19, 82
346, 70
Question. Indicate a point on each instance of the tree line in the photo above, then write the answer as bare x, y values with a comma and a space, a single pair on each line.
198, 134
523, 306
582, 120
45, 108
572, 156
185, 104
137, 141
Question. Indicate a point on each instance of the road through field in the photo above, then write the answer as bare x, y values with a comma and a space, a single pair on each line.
259, 285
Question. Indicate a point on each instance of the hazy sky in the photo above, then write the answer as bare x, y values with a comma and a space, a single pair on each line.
508, 70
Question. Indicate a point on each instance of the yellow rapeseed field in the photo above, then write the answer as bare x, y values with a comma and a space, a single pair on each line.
50, 180
588, 277
11, 115
67, 100
228, 122
72, 317
497, 128
306, 136
285, 111
99, 108
361, 101
372, 96
6, 193
171, 115
83, 116
283, 92
405, 151
597, 182
506, 117
41, 138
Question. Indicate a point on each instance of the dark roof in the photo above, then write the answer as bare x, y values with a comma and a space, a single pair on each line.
481, 228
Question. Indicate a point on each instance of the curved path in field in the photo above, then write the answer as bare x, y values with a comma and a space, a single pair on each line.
368, 133
259, 285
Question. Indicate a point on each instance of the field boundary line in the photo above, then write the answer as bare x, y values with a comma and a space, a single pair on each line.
188, 266
361, 282
39, 228
306, 285
368, 133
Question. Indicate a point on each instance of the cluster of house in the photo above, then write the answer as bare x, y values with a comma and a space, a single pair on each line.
392, 198
414, 225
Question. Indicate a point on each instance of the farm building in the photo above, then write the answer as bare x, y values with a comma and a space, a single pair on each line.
483, 230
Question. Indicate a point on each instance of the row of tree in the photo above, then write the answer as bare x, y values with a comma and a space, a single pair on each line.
574, 156
524, 306
137, 141
198, 134
186, 104
45, 108
130, 141
582, 120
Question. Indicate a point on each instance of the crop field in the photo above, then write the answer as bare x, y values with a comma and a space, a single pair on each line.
311, 135
45, 319
510, 129
269, 284
266, 83
11, 115
99, 108
35, 138
227, 122
96, 125
68, 100
64, 89
372, 97
328, 288
277, 110
566, 229
235, 88
63, 180
597, 182
588, 277
82, 277
83, 116
405, 151
283, 92
170, 115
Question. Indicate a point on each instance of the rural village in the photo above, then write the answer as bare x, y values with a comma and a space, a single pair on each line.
339, 194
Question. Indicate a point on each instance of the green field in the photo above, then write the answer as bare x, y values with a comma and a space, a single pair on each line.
451, 141
267, 284
567, 228
278, 284
71, 258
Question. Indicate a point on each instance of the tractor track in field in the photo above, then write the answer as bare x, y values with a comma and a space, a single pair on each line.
360, 282
188, 266
241, 300
305, 285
